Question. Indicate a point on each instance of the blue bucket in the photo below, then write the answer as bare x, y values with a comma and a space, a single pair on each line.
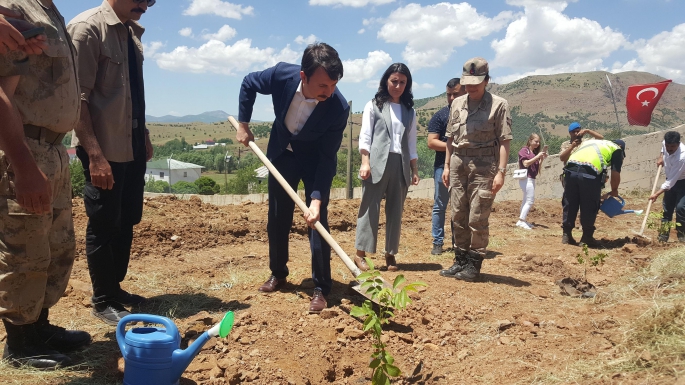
612, 206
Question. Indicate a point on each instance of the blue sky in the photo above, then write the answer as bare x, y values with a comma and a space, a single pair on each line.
198, 51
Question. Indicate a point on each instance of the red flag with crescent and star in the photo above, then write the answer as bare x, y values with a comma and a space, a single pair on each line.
641, 100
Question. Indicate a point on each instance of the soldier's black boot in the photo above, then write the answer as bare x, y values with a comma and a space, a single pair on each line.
589, 240
24, 348
471, 270
460, 261
663, 237
681, 235
57, 337
567, 238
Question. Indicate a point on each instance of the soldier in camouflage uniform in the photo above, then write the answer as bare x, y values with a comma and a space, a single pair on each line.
36, 229
479, 133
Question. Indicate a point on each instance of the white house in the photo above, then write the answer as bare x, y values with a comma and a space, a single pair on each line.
172, 171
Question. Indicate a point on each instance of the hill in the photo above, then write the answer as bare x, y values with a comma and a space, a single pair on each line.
205, 117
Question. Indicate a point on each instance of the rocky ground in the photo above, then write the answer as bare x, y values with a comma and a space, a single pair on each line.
196, 261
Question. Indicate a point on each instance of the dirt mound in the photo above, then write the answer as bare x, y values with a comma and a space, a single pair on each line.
196, 261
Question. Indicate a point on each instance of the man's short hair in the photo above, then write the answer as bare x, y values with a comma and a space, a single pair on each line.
322, 55
453, 83
672, 137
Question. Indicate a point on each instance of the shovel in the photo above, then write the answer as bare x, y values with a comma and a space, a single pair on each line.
319, 227
649, 205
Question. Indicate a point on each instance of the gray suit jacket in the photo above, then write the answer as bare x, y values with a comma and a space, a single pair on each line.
380, 142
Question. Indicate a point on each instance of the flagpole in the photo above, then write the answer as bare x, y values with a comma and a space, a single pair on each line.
613, 99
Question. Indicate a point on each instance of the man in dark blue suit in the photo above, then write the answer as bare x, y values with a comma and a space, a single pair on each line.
311, 115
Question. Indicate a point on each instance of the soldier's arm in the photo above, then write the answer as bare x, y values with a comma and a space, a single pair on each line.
85, 40
32, 188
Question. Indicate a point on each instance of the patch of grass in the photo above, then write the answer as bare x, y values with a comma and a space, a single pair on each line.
653, 345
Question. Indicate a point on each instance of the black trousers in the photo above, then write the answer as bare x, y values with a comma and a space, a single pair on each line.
674, 200
111, 217
581, 191
281, 208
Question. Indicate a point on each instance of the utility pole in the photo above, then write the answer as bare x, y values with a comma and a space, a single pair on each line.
613, 99
169, 164
350, 188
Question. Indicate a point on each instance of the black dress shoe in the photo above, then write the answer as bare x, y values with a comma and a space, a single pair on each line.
58, 337
109, 312
272, 284
437, 250
127, 299
318, 302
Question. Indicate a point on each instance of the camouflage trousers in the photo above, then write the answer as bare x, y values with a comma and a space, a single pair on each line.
36, 251
471, 200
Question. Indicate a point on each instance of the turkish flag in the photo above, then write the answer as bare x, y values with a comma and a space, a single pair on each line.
641, 100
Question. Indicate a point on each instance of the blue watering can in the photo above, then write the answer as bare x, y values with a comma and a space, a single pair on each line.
613, 207
153, 356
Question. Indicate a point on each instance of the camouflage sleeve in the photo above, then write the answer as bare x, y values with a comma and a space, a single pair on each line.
87, 46
503, 126
452, 121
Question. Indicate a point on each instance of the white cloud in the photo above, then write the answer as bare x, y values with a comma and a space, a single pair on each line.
224, 33
663, 54
350, 3
422, 86
361, 31
592, 65
432, 32
219, 8
306, 40
559, 5
150, 49
219, 58
359, 70
187, 32
544, 41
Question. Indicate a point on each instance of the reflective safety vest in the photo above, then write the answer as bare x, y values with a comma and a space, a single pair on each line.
594, 153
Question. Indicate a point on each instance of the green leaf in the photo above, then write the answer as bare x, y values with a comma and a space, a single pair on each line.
398, 281
379, 377
369, 323
357, 311
388, 358
370, 263
363, 276
393, 371
374, 363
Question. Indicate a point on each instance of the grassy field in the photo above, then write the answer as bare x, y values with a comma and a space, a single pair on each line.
161, 133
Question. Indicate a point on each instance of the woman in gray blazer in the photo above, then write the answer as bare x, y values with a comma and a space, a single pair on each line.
387, 144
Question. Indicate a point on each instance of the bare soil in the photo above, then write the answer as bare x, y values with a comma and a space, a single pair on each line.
196, 261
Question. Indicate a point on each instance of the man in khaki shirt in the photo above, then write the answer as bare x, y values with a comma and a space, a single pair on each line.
39, 103
112, 143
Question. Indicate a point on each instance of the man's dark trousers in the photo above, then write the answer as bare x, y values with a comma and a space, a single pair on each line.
281, 208
582, 191
674, 200
111, 217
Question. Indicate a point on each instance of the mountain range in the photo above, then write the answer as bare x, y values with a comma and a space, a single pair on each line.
205, 117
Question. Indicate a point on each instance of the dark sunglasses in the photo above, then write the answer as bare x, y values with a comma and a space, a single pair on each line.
150, 3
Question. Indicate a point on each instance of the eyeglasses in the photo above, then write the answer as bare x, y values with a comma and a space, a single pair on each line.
150, 3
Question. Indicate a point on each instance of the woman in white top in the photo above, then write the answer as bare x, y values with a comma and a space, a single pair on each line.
387, 144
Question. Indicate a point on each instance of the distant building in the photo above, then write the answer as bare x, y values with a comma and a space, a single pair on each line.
200, 147
163, 169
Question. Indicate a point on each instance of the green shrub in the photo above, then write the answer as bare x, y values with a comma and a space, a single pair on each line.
207, 186
183, 187
78, 179
157, 186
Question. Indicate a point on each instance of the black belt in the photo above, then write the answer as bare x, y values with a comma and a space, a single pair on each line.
43, 134
581, 171
483, 151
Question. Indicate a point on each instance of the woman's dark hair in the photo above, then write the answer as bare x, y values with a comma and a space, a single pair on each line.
322, 55
382, 96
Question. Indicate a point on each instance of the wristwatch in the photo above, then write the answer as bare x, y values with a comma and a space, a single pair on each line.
503, 170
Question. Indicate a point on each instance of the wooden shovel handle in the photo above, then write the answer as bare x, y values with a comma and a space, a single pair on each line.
298, 201
649, 205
